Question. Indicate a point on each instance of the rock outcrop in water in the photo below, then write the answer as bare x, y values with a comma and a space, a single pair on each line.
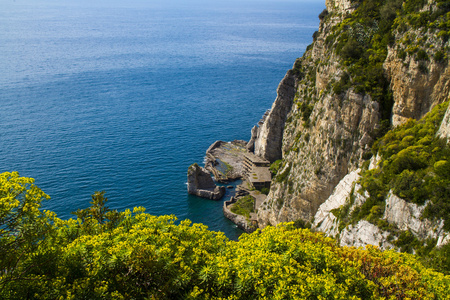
200, 183
223, 160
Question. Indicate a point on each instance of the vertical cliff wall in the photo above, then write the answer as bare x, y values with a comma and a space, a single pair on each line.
268, 137
419, 75
357, 78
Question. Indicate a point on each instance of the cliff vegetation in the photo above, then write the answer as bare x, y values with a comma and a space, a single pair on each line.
373, 66
404, 192
364, 151
414, 164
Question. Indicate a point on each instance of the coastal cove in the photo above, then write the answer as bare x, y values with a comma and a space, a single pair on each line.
126, 113
123, 97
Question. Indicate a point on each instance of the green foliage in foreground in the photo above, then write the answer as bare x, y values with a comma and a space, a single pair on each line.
105, 254
415, 165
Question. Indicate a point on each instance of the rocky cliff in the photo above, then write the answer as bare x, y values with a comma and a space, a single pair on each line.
325, 134
418, 78
372, 66
399, 216
267, 139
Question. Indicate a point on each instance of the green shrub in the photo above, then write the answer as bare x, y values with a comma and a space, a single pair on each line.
302, 224
413, 5
343, 84
421, 55
441, 258
442, 168
439, 56
402, 54
406, 241
275, 166
423, 67
281, 177
409, 185
244, 206
265, 191
323, 14
149, 257
352, 50
298, 69
315, 35
415, 165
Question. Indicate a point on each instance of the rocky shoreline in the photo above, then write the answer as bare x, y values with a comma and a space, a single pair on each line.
225, 162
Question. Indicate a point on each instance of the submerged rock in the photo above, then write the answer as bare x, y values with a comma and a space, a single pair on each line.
201, 184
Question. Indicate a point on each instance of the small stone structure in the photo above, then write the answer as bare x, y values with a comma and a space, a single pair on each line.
240, 221
200, 183
224, 160
247, 224
257, 172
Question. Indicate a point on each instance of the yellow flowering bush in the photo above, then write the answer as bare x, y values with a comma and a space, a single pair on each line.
105, 254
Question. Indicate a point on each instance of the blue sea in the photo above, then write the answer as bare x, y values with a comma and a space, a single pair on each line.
122, 96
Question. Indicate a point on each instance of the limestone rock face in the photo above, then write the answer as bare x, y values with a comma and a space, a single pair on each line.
403, 215
363, 234
319, 152
267, 143
201, 184
444, 129
417, 86
407, 216
340, 6
324, 220
328, 133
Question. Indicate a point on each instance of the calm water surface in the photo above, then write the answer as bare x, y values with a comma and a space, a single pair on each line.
123, 96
